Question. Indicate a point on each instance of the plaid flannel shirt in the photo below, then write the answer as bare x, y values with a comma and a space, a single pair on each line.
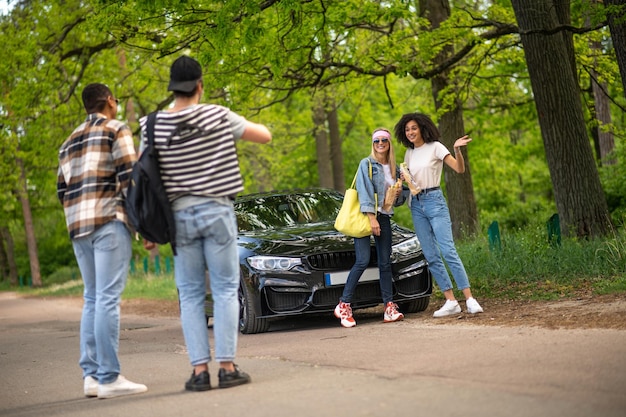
95, 163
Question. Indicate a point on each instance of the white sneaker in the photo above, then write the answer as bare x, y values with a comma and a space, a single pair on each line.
448, 309
90, 386
472, 306
121, 386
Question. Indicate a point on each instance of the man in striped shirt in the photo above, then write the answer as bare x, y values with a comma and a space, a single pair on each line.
200, 172
94, 168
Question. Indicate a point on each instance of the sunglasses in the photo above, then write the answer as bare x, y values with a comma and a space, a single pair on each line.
383, 140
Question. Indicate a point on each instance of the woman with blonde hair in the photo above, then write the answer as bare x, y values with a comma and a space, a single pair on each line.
379, 189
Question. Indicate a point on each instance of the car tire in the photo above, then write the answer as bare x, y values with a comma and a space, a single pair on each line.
249, 323
414, 306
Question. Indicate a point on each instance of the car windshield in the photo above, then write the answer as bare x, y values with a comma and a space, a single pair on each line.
287, 210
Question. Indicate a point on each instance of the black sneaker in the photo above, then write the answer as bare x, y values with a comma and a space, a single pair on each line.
232, 379
200, 382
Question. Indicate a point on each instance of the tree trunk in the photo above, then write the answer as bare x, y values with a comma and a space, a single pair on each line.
129, 110
324, 170
9, 249
617, 26
336, 154
603, 138
459, 187
4, 261
33, 257
578, 193
563, 17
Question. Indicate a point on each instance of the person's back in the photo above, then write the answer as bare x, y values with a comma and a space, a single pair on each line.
88, 161
94, 167
197, 152
200, 172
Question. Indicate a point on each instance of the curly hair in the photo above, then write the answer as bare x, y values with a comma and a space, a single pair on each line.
428, 129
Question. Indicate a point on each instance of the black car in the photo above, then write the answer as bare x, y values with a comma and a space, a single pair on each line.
293, 261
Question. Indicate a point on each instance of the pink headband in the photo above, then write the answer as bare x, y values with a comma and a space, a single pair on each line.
381, 134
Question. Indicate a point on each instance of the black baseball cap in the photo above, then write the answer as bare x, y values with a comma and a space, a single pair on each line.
185, 73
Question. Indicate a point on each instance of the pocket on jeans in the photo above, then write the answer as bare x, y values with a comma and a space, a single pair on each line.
108, 237
220, 232
218, 225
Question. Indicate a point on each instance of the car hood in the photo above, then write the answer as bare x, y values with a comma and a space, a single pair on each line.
304, 240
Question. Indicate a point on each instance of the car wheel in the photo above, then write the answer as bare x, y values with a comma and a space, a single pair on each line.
415, 306
249, 323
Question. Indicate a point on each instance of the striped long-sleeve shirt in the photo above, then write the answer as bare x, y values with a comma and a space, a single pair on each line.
197, 151
95, 163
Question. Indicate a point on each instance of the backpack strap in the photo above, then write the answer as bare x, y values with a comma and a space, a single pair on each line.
150, 127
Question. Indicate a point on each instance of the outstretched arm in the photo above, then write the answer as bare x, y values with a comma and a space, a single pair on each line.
457, 162
256, 132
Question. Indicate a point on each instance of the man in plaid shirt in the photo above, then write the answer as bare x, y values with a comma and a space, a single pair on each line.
95, 163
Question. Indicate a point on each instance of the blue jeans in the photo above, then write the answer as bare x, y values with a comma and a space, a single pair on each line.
431, 220
206, 238
103, 258
383, 250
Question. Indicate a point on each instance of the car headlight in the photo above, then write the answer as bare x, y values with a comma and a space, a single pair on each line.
273, 263
407, 247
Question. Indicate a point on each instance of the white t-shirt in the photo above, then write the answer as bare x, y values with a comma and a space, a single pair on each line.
388, 178
426, 163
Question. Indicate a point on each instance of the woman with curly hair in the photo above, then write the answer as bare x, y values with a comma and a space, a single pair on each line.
424, 159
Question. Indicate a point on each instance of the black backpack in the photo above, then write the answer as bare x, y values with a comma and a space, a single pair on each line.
147, 205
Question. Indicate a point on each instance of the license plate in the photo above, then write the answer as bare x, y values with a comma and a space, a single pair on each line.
340, 278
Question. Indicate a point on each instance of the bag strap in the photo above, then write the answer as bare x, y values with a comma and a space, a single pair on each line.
357, 172
370, 171
354, 180
150, 127
375, 194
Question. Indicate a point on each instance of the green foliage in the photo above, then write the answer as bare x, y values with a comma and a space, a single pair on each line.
528, 265
59, 279
612, 177
271, 62
612, 252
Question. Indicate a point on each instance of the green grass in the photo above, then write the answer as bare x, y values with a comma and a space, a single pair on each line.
154, 287
142, 286
526, 267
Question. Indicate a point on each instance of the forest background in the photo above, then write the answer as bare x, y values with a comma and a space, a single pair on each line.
537, 84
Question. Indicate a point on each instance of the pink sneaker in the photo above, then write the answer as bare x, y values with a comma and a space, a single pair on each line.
343, 311
392, 313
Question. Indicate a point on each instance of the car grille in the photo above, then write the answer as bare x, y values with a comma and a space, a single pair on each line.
337, 260
330, 296
279, 301
412, 286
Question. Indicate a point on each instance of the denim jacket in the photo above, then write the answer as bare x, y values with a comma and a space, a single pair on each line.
366, 188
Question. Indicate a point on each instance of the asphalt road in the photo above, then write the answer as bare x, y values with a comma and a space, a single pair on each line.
313, 367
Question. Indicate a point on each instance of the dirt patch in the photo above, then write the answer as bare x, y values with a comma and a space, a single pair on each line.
151, 308
589, 312
594, 312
